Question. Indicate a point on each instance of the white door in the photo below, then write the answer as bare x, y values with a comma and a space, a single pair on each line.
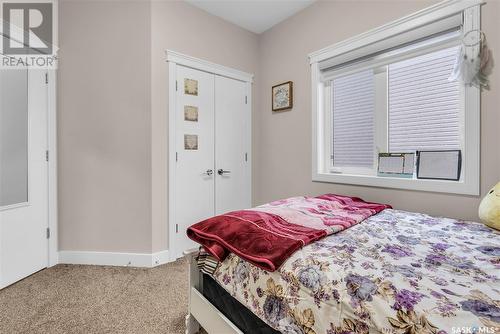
194, 142
232, 146
23, 174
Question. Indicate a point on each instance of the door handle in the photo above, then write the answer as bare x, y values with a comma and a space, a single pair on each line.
222, 171
209, 172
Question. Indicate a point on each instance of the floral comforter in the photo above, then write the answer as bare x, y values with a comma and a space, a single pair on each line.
396, 272
267, 235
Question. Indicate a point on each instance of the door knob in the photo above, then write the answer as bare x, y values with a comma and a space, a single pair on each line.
209, 172
222, 171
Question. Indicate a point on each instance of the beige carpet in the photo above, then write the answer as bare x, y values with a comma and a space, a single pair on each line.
91, 299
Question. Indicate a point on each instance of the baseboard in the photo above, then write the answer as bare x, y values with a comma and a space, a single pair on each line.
160, 258
114, 259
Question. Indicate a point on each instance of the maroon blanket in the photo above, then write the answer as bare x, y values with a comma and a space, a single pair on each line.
268, 234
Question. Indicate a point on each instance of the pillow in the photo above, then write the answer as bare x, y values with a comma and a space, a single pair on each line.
489, 209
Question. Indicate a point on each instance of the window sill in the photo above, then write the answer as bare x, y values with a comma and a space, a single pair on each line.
440, 186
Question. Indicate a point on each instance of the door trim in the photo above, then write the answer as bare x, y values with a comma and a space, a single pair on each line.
206, 66
53, 249
173, 59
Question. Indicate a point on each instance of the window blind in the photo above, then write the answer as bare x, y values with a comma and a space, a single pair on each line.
424, 107
400, 38
353, 120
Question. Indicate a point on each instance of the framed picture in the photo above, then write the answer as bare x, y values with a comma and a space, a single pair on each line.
282, 96
439, 165
190, 142
396, 164
191, 87
191, 113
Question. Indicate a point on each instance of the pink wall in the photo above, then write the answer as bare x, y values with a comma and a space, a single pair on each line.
183, 28
284, 144
112, 114
104, 121
112, 111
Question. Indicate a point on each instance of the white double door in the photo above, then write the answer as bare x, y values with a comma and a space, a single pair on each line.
23, 174
212, 141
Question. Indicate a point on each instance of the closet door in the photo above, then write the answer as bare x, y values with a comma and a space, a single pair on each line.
232, 144
194, 140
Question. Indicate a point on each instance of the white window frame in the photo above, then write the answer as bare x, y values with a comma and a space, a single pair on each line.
469, 182
380, 118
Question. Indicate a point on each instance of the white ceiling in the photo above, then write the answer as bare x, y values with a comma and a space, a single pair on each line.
254, 15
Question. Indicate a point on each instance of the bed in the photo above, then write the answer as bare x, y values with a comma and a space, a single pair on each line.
395, 272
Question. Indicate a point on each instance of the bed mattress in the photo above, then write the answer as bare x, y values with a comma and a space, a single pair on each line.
236, 312
396, 272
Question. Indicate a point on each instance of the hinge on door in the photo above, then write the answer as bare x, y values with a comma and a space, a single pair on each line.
176, 228
176, 156
246, 99
47, 155
246, 156
48, 233
46, 78
176, 85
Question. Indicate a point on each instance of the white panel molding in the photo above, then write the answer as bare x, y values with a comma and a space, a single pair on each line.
413, 21
206, 66
144, 260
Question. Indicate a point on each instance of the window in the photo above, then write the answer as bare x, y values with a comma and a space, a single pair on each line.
393, 95
14, 133
416, 106
353, 116
424, 106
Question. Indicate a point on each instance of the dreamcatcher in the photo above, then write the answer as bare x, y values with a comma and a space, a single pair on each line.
474, 61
